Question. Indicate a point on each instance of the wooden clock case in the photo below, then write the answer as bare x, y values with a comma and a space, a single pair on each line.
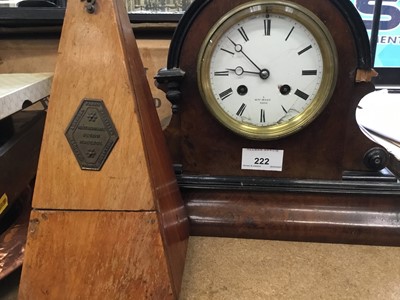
329, 189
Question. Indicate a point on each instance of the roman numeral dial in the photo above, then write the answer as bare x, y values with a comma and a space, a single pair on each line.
263, 68
243, 34
225, 94
267, 27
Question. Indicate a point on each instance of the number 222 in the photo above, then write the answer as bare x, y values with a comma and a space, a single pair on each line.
261, 161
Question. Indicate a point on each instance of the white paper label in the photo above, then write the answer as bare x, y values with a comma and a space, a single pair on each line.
262, 159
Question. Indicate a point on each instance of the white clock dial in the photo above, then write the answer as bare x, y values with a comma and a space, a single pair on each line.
263, 67
263, 70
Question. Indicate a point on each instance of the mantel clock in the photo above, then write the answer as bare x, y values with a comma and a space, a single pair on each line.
264, 95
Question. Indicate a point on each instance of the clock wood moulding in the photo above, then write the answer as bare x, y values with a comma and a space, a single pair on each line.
263, 133
108, 220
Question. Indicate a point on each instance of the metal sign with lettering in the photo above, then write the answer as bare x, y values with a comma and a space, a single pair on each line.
91, 134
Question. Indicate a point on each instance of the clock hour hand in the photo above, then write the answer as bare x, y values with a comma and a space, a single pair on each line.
263, 73
240, 71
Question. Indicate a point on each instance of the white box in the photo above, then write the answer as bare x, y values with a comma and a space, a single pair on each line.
16, 88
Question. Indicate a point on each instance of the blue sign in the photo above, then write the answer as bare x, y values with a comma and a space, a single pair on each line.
388, 47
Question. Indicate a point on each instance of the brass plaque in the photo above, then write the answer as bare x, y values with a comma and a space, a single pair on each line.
91, 134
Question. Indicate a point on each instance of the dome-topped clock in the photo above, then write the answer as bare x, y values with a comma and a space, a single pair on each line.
271, 75
264, 95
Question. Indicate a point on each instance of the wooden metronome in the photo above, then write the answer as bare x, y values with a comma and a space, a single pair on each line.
264, 132
108, 220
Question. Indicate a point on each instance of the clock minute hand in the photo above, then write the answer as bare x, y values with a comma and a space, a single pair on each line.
239, 48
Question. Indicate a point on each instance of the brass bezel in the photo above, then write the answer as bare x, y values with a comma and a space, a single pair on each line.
328, 51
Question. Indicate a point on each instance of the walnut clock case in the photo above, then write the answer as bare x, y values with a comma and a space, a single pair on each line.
264, 134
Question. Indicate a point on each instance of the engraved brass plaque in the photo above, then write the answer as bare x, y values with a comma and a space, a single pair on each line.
91, 134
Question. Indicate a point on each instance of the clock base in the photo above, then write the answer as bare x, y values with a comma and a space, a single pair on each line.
307, 217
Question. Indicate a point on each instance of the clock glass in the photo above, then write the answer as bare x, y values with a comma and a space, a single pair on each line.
267, 69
